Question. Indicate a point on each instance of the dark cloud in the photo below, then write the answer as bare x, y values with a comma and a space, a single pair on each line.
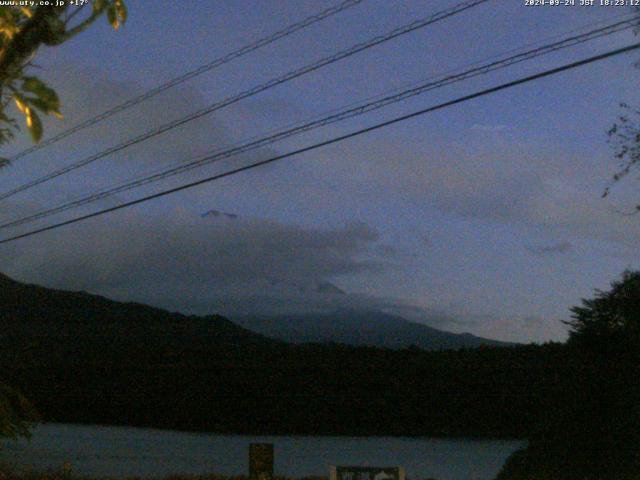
550, 249
219, 213
186, 262
514, 181
86, 92
511, 328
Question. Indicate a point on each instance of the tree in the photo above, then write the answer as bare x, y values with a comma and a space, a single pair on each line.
624, 136
611, 319
24, 29
593, 430
17, 414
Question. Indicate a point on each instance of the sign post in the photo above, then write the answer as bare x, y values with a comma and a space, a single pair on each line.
367, 473
261, 461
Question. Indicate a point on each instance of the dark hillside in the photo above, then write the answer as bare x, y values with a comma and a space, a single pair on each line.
86, 359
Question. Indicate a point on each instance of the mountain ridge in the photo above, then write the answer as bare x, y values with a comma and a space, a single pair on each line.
357, 327
129, 364
24, 304
360, 328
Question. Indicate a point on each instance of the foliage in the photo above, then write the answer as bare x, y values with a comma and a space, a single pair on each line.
87, 359
22, 31
16, 413
624, 137
610, 318
592, 431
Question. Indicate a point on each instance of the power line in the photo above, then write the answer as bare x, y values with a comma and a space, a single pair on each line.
567, 42
192, 74
402, 30
330, 119
341, 138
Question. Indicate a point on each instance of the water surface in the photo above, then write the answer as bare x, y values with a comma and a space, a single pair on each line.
121, 451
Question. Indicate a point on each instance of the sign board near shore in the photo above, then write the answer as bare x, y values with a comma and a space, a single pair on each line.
367, 473
261, 461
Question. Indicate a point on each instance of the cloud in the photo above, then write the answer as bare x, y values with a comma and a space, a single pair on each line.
204, 265
511, 180
219, 213
245, 266
512, 328
553, 248
193, 259
219, 264
214, 264
85, 93
514, 180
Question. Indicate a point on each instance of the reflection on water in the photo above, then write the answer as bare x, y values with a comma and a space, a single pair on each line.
119, 451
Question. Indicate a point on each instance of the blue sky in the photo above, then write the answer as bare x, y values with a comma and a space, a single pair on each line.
486, 216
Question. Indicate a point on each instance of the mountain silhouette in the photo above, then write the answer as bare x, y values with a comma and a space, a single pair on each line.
57, 316
360, 328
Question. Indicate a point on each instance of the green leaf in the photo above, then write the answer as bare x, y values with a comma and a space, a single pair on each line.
121, 10
117, 13
112, 17
99, 5
33, 84
8, 22
21, 103
34, 124
46, 99
44, 107
42, 91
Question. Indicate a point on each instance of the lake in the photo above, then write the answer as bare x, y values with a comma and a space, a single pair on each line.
121, 451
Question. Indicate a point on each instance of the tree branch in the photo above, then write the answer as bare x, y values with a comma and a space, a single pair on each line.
81, 27
43, 27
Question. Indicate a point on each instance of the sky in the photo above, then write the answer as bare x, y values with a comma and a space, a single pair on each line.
485, 217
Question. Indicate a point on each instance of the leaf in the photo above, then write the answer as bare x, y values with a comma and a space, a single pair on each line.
34, 125
8, 31
33, 84
4, 162
117, 14
99, 5
21, 103
112, 17
40, 89
47, 100
8, 24
121, 10
44, 107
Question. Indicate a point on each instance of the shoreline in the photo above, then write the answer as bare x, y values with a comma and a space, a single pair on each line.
461, 438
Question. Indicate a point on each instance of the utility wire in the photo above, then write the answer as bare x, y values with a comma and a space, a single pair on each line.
330, 119
341, 138
402, 30
191, 74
